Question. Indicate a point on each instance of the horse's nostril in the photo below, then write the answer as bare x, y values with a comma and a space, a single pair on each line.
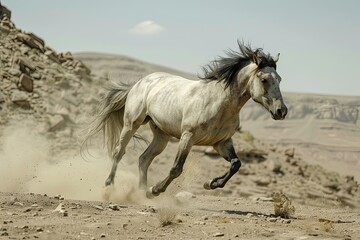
279, 112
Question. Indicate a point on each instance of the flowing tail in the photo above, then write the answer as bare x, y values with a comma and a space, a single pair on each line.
110, 116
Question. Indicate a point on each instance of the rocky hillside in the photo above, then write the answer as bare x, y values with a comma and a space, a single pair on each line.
38, 83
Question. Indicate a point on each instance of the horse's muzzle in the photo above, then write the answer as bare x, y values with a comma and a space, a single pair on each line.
279, 113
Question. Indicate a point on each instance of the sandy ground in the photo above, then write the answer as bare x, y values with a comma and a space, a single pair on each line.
29, 216
43, 208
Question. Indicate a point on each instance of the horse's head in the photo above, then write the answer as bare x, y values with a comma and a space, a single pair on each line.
265, 85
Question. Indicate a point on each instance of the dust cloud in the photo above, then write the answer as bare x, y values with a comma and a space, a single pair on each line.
29, 164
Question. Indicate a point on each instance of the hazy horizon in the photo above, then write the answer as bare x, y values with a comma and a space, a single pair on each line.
318, 42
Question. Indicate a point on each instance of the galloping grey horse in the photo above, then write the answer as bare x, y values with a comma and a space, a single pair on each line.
204, 112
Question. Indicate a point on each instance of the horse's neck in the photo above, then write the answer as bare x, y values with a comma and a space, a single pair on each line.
239, 91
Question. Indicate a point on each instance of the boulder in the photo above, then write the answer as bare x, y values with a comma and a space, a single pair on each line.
52, 56
64, 57
26, 82
4, 12
31, 42
36, 38
20, 99
7, 24
25, 62
15, 70
56, 122
2, 98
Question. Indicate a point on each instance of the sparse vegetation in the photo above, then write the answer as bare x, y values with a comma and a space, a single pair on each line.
282, 205
166, 216
247, 136
326, 226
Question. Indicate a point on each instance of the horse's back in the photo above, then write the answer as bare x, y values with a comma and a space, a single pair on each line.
164, 97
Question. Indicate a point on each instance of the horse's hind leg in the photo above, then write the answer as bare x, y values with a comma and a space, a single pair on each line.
184, 148
227, 151
126, 134
157, 145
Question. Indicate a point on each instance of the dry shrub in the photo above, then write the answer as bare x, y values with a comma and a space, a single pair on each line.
327, 226
166, 216
247, 136
282, 205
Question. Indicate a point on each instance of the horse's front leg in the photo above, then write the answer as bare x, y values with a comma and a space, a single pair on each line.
184, 148
227, 151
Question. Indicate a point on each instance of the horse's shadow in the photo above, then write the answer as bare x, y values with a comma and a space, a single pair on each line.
239, 212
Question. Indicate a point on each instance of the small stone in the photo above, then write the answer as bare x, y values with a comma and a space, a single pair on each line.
218, 234
39, 229
290, 152
272, 219
27, 210
102, 235
199, 223
98, 207
18, 204
347, 237
26, 82
262, 181
36, 75
60, 208
114, 207
25, 227
4, 234
63, 213
15, 71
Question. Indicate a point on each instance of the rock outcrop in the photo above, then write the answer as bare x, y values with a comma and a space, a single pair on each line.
37, 82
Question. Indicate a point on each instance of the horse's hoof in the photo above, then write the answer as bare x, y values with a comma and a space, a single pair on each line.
150, 194
108, 182
207, 185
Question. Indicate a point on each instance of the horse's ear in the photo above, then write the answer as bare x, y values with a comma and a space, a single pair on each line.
256, 58
276, 58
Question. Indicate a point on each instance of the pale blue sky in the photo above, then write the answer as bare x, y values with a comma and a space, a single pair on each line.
318, 40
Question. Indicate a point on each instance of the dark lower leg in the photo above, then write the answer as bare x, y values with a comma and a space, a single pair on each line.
219, 182
227, 151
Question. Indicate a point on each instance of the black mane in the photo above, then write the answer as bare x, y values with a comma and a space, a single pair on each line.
226, 68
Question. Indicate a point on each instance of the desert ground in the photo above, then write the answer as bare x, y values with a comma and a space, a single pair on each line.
298, 180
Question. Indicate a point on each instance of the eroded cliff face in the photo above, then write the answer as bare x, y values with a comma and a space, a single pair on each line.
338, 108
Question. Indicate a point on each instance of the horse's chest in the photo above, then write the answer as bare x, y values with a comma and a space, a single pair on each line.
215, 131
